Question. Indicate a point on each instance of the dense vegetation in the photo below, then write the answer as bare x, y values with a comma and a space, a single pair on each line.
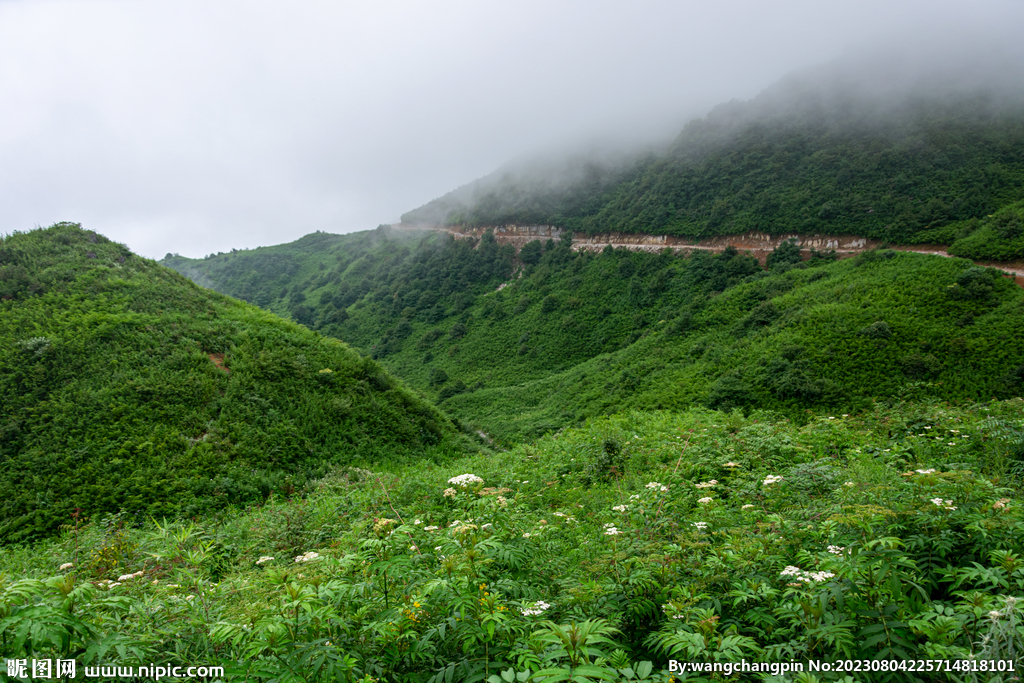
597, 553
812, 154
690, 458
125, 386
576, 334
798, 337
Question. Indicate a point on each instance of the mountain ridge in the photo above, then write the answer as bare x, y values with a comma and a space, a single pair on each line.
125, 385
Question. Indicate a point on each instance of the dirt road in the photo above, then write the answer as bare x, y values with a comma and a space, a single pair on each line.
759, 245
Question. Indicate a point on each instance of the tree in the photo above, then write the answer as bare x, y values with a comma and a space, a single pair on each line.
530, 254
784, 254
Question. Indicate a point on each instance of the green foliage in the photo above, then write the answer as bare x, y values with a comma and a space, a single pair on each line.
832, 336
581, 334
491, 331
125, 386
883, 536
997, 236
785, 254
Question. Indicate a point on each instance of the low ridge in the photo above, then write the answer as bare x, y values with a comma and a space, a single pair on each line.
125, 386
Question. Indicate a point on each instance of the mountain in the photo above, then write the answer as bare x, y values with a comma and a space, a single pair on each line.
882, 147
521, 344
125, 386
519, 335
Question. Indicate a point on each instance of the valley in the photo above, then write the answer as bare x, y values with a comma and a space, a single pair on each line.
756, 395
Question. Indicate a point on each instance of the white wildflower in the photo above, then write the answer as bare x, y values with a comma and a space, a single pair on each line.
307, 556
449, 493
836, 549
707, 484
772, 479
612, 531
747, 506
620, 508
701, 526
705, 500
800, 576
265, 559
538, 608
465, 480
994, 615
947, 504
129, 577
431, 528
66, 565
849, 483
418, 522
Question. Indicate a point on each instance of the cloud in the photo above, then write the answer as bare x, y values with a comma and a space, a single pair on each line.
196, 127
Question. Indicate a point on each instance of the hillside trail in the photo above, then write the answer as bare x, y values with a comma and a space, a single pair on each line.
758, 245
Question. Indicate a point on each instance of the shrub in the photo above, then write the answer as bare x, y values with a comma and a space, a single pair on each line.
877, 330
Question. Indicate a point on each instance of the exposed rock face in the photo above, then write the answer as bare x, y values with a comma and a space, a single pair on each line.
757, 244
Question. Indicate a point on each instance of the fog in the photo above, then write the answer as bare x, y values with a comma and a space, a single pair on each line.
199, 127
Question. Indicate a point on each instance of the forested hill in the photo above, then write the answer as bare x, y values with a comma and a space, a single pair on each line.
125, 386
520, 344
922, 158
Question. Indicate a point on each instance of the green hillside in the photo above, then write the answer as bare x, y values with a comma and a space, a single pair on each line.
818, 152
125, 386
576, 334
885, 325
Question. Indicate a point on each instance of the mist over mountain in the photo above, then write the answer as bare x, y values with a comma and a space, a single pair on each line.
881, 143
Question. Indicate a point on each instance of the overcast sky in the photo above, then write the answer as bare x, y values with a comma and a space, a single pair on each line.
196, 127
